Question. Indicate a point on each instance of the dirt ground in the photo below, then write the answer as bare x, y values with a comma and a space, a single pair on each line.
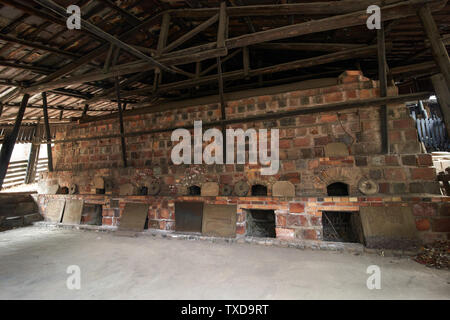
34, 263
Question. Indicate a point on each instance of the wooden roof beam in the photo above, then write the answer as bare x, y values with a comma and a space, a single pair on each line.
239, 74
400, 10
130, 18
85, 59
312, 8
40, 46
104, 35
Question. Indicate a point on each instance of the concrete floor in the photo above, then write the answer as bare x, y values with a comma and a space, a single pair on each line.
33, 264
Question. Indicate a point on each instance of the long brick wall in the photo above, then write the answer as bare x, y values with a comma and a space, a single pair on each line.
296, 218
303, 141
405, 177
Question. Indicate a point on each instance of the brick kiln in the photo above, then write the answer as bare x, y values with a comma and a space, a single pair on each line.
335, 181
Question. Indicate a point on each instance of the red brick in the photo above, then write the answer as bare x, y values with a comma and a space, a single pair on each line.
313, 164
349, 79
425, 160
423, 224
395, 136
285, 234
322, 141
349, 73
307, 119
281, 220
384, 187
164, 214
445, 209
424, 209
288, 165
240, 229
285, 144
391, 160
328, 118
226, 179
295, 220
293, 177
296, 208
107, 221
441, 225
334, 97
316, 221
402, 123
302, 142
352, 94
309, 234
423, 173
411, 135
365, 94
394, 174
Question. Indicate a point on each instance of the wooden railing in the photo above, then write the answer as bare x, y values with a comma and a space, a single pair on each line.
17, 171
41, 166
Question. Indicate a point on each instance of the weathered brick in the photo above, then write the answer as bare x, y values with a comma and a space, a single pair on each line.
424, 209
398, 188
445, 209
296, 208
394, 174
302, 142
296, 220
361, 161
423, 224
409, 160
425, 160
423, 173
281, 220
441, 225
391, 160
285, 234
285, 144
334, 97
403, 123
309, 234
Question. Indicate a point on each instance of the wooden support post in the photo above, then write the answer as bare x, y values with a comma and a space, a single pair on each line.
32, 162
198, 71
162, 42
47, 132
382, 74
443, 95
33, 158
85, 110
108, 58
122, 128
163, 34
222, 31
438, 48
222, 108
10, 140
246, 62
